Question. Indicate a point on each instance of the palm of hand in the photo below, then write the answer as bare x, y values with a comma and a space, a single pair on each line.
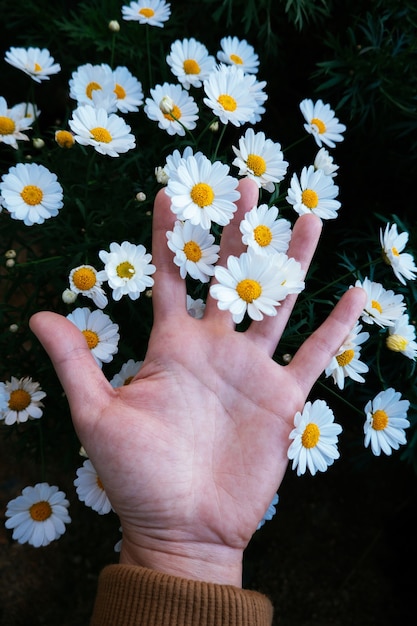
197, 436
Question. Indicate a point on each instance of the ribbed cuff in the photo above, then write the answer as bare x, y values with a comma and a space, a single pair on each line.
129, 595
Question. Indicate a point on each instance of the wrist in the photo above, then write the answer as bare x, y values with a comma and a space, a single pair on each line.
195, 561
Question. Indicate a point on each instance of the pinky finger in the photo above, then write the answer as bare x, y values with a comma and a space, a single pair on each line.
315, 354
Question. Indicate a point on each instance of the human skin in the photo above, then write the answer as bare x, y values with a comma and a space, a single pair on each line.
192, 451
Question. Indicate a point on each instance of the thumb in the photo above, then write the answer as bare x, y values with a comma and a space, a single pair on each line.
82, 379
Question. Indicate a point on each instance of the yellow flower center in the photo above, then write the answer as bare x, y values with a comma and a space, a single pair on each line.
40, 511
257, 164
236, 59
202, 194
19, 400
7, 125
90, 88
37, 67
99, 483
128, 380
84, 278
31, 194
309, 198
101, 134
310, 436
321, 126
191, 66
125, 270
174, 114
227, 102
396, 343
192, 251
375, 305
345, 358
91, 338
262, 235
120, 92
64, 139
379, 420
147, 12
395, 251
249, 289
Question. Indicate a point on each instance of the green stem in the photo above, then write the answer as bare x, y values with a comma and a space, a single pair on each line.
338, 279
219, 141
340, 398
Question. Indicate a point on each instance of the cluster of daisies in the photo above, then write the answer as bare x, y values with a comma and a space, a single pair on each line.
203, 193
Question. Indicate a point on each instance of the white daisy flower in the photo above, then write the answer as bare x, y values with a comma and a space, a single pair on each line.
37, 63
346, 363
255, 284
190, 62
229, 94
108, 134
31, 193
88, 80
260, 159
12, 124
127, 268
176, 158
383, 307
90, 489
101, 334
402, 337
256, 90
126, 373
152, 12
314, 192
195, 251
315, 438
270, 512
386, 419
38, 516
83, 279
20, 400
323, 161
26, 111
238, 52
179, 116
264, 232
203, 192
322, 123
393, 244
195, 307
128, 90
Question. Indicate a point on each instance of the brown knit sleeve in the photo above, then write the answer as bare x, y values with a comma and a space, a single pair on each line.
128, 595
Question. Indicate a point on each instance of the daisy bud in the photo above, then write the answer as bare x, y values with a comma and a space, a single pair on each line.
13, 328
286, 357
166, 105
38, 143
214, 127
10, 263
161, 175
114, 26
10, 254
68, 296
396, 343
82, 452
140, 196
64, 138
